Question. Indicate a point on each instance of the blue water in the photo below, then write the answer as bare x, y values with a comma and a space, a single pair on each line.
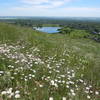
48, 29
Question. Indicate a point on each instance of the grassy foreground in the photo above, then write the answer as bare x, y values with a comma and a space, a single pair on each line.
36, 66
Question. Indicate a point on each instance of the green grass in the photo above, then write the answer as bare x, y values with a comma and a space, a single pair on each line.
41, 65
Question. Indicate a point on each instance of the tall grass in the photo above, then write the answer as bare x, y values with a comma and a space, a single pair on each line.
36, 66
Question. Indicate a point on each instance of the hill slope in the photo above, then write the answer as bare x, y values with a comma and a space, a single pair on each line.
36, 65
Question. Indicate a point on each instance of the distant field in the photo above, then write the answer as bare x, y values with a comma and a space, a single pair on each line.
37, 66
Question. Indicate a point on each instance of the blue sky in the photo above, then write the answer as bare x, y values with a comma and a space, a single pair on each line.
73, 8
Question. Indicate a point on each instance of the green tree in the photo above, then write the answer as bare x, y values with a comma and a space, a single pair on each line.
65, 30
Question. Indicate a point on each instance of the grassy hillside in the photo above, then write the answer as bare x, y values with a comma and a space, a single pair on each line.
36, 65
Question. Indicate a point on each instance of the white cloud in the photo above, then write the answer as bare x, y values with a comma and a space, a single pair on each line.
81, 9
68, 11
50, 8
34, 1
45, 3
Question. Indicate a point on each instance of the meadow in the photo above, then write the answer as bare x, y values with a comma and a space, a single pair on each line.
37, 66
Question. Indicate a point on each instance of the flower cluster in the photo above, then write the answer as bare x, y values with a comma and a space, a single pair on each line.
10, 93
27, 71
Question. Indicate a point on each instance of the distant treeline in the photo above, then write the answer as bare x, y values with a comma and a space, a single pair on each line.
91, 26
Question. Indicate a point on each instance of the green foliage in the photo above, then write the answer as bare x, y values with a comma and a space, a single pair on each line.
50, 25
36, 59
65, 30
74, 33
79, 34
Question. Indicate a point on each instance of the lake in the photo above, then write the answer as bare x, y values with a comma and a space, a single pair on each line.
48, 29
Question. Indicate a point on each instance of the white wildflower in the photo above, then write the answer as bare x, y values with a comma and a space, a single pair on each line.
50, 98
87, 88
3, 93
73, 94
67, 86
64, 98
17, 92
88, 97
17, 96
41, 85
1, 72
96, 92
